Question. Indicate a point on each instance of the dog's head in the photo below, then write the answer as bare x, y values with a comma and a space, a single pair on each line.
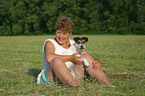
80, 43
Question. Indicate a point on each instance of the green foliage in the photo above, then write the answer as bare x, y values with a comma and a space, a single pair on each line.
5, 30
31, 17
138, 28
17, 29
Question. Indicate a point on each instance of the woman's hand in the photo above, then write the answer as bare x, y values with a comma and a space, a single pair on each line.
96, 65
75, 59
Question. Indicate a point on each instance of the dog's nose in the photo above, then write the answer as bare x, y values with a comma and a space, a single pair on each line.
82, 46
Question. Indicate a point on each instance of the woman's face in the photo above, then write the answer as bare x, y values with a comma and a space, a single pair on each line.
62, 37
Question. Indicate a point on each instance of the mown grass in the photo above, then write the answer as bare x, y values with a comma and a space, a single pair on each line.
123, 60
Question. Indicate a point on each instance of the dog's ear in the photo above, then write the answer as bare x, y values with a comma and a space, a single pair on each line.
76, 39
86, 39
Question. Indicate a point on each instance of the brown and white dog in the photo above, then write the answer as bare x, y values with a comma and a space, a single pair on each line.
78, 46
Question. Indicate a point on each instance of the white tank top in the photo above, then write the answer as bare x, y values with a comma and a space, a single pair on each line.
58, 50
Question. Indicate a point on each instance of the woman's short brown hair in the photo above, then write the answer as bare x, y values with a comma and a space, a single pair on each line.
64, 23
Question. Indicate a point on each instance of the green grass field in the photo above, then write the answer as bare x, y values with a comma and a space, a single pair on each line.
123, 60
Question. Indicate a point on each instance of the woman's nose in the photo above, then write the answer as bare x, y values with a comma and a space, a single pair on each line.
61, 35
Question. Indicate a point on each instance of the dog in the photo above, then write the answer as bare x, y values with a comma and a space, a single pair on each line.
78, 46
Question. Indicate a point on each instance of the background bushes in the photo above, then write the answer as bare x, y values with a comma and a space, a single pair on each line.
31, 17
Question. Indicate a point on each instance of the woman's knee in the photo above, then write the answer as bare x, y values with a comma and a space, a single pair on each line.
57, 62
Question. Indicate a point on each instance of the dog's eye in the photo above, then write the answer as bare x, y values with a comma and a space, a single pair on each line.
78, 42
83, 42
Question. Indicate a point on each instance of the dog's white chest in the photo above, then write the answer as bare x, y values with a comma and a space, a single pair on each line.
71, 51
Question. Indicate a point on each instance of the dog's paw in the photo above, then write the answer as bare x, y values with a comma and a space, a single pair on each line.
78, 55
86, 63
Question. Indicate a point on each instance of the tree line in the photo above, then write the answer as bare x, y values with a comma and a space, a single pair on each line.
32, 17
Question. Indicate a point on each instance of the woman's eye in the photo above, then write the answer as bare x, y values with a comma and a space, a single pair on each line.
58, 32
64, 33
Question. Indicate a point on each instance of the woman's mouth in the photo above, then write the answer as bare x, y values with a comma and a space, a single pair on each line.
61, 39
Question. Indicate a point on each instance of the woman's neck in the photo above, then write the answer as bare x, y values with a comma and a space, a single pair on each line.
65, 45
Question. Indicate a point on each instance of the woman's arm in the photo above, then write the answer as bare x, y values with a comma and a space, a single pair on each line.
50, 54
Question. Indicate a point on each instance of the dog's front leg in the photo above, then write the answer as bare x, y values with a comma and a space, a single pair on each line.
86, 63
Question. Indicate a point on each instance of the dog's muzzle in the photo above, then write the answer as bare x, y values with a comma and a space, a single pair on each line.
81, 47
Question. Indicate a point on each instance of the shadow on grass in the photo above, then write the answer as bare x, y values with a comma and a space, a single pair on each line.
34, 72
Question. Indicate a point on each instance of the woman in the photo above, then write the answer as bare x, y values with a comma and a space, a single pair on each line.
54, 69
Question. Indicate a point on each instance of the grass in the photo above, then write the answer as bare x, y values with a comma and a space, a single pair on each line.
123, 60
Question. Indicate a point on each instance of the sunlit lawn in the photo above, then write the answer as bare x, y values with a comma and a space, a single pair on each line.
123, 58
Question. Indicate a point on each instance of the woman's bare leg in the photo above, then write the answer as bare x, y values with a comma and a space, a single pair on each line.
79, 72
96, 73
61, 72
